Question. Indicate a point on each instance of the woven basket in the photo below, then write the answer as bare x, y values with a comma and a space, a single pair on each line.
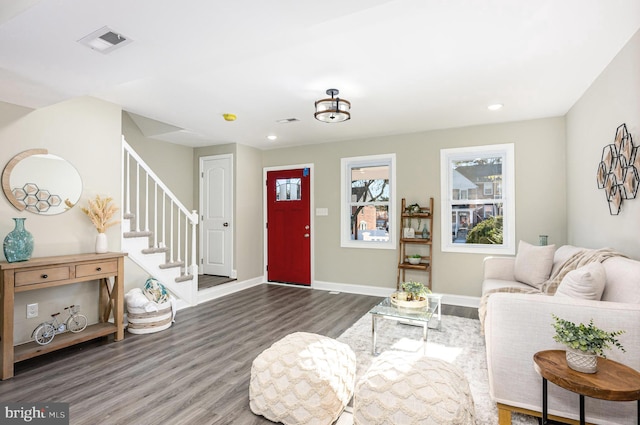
143, 322
581, 361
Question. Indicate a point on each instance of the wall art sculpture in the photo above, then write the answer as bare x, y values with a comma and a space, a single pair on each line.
618, 170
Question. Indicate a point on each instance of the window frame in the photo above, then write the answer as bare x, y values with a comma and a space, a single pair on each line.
507, 195
346, 165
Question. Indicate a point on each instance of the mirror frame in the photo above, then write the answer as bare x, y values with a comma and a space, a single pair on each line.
12, 167
6, 175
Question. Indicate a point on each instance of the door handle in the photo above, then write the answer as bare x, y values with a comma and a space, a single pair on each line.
306, 235
225, 224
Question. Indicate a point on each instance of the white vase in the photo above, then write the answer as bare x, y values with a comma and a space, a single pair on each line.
101, 243
581, 361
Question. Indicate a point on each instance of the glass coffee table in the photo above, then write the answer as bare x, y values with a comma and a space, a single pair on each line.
410, 316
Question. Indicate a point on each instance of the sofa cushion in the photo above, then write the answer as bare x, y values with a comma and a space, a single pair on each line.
533, 263
586, 282
623, 280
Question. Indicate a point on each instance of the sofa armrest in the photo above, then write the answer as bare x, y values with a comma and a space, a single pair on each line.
519, 325
500, 268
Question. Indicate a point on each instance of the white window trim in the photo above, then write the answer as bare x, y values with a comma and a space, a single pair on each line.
345, 196
508, 246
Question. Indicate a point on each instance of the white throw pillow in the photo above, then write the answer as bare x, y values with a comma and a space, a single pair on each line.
587, 282
533, 263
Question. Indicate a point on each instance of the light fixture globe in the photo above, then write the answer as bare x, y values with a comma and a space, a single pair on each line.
333, 109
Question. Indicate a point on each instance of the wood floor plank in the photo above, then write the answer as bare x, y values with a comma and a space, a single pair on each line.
196, 372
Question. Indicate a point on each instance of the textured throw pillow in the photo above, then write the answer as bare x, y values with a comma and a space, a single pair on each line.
533, 263
587, 282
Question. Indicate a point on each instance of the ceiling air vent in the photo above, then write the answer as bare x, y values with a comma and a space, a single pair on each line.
287, 120
104, 40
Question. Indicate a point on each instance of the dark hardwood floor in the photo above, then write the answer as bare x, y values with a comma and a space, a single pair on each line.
196, 372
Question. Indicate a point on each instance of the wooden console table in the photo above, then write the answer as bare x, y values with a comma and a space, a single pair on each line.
47, 272
613, 381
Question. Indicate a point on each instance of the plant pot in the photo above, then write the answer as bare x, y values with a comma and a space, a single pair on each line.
581, 361
414, 261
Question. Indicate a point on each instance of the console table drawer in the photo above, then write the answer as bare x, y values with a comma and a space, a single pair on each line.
50, 274
92, 269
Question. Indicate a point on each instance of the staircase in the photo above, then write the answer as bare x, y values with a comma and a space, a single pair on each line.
159, 233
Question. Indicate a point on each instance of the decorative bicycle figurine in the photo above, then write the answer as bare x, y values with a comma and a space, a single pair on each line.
75, 322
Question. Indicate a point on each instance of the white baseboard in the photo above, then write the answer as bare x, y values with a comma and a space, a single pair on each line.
376, 291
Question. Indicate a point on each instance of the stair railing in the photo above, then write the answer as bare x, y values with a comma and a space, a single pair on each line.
164, 218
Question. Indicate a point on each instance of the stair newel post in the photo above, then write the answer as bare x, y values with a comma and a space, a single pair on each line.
155, 215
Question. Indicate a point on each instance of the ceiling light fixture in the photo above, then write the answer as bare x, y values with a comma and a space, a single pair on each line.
333, 109
272, 137
495, 106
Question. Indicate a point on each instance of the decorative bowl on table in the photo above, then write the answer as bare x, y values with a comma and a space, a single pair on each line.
397, 301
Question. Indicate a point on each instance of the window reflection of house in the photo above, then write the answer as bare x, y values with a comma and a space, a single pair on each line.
481, 185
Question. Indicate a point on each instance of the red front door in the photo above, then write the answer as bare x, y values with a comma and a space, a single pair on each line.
288, 226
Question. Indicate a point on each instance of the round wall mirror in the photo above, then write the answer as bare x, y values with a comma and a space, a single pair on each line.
41, 183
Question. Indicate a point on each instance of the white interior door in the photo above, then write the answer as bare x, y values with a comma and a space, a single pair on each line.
216, 227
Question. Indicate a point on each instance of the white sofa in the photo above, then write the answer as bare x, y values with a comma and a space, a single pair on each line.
517, 325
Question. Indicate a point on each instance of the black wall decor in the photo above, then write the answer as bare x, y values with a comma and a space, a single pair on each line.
618, 170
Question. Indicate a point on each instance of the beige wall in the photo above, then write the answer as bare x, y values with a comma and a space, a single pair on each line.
540, 197
86, 132
613, 99
172, 163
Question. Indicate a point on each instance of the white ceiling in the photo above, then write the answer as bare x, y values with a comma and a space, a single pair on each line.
405, 65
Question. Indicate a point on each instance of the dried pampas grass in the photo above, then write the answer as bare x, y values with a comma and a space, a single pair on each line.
100, 212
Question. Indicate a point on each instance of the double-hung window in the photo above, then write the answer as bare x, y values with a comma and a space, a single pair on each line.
368, 202
478, 199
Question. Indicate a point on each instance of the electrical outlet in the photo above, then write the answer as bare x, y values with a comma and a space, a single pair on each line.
32, 311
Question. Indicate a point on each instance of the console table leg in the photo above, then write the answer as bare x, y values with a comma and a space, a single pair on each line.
582, 420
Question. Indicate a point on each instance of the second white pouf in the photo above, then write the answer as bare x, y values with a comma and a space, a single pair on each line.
406, 389
303, 378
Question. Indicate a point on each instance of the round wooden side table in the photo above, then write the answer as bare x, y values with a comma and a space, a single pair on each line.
613, 381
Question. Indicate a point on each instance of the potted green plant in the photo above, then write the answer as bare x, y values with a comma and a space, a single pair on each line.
416, 291
584, 343
414, 259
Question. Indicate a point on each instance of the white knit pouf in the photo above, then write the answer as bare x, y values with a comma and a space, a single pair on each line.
403, 389
302, 379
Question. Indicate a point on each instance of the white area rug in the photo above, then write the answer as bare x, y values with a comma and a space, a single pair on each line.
458, 342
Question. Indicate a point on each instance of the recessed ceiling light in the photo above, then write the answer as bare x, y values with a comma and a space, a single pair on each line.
272, 137
495, 106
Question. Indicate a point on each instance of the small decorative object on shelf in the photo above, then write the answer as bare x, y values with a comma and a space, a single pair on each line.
414, 259
425, 232
75, 323
585, 343
18, 244
100, 212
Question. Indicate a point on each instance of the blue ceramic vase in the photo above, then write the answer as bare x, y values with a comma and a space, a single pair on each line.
18, 245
